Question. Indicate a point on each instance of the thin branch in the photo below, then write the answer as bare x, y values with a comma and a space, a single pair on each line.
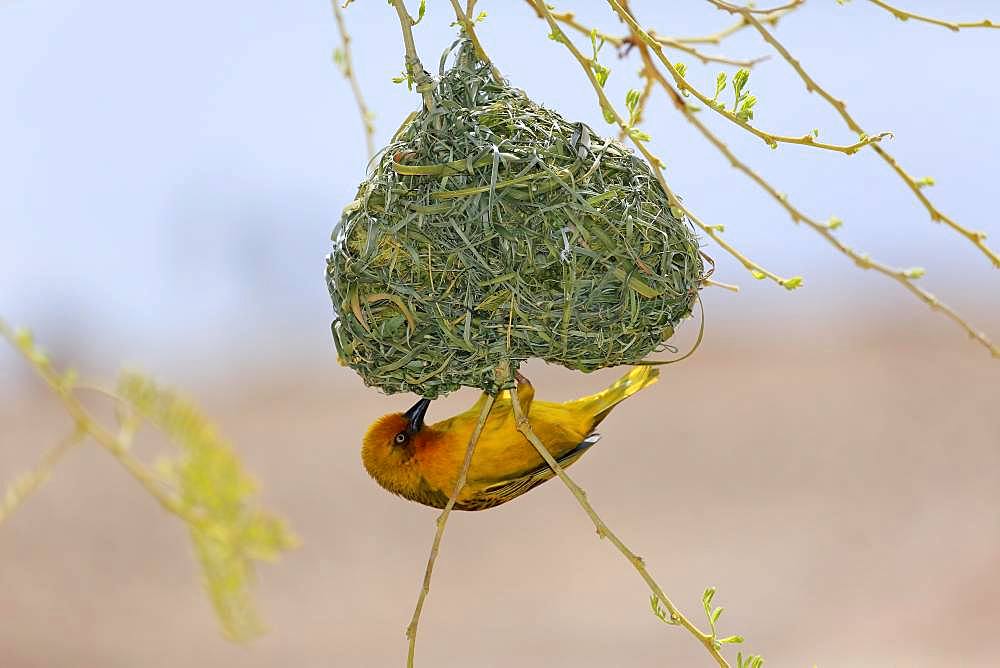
977, 238
63, 388
411, 630
414, 69
569, 19
787, 7
716, 38
470, 30
770, 139
954, 26
655, 163
28, 483
706, 58
346, 64
640, 107
676, 616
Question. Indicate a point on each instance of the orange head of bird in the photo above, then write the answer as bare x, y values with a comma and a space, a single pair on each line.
389, 446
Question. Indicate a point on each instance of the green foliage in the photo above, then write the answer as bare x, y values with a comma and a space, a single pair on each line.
712, 614
216, 499
204, 484
634, 106
601, 72
744, 101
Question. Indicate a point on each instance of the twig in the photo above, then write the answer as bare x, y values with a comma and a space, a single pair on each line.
26, 484
676, 617
725, 286
569, 19
411, 630
976, 237
346, 64
787, 7
769, 138
716, 38
706, 58
655, 163
470, 30
954, 26
414, 68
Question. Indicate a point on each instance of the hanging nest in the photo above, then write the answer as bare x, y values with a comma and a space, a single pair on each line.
492, 230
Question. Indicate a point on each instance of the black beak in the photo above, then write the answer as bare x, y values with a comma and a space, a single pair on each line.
415, 416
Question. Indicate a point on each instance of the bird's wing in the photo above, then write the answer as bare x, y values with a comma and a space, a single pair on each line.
509, 489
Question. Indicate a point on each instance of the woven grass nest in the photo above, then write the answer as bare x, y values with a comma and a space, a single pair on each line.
492, 230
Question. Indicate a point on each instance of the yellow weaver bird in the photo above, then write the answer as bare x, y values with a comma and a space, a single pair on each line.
421, 462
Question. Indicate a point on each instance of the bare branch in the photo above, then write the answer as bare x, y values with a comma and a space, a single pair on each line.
345, 61
954, 26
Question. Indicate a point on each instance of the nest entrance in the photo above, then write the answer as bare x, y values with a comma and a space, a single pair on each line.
492, 230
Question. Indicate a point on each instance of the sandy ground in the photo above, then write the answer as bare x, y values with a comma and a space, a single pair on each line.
842, 493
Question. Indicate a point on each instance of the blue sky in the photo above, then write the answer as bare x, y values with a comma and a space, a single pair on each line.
170, 172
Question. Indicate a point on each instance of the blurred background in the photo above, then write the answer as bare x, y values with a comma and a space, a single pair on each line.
830, 459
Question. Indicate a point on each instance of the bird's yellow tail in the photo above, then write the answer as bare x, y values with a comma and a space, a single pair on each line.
600, 404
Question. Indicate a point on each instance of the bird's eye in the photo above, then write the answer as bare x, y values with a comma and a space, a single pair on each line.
400, 438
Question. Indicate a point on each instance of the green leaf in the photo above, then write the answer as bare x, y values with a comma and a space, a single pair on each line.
632, 99
421, 11
720, 85
792, 283
715, 615
601, 73
745, 112
639, 135
740, 80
